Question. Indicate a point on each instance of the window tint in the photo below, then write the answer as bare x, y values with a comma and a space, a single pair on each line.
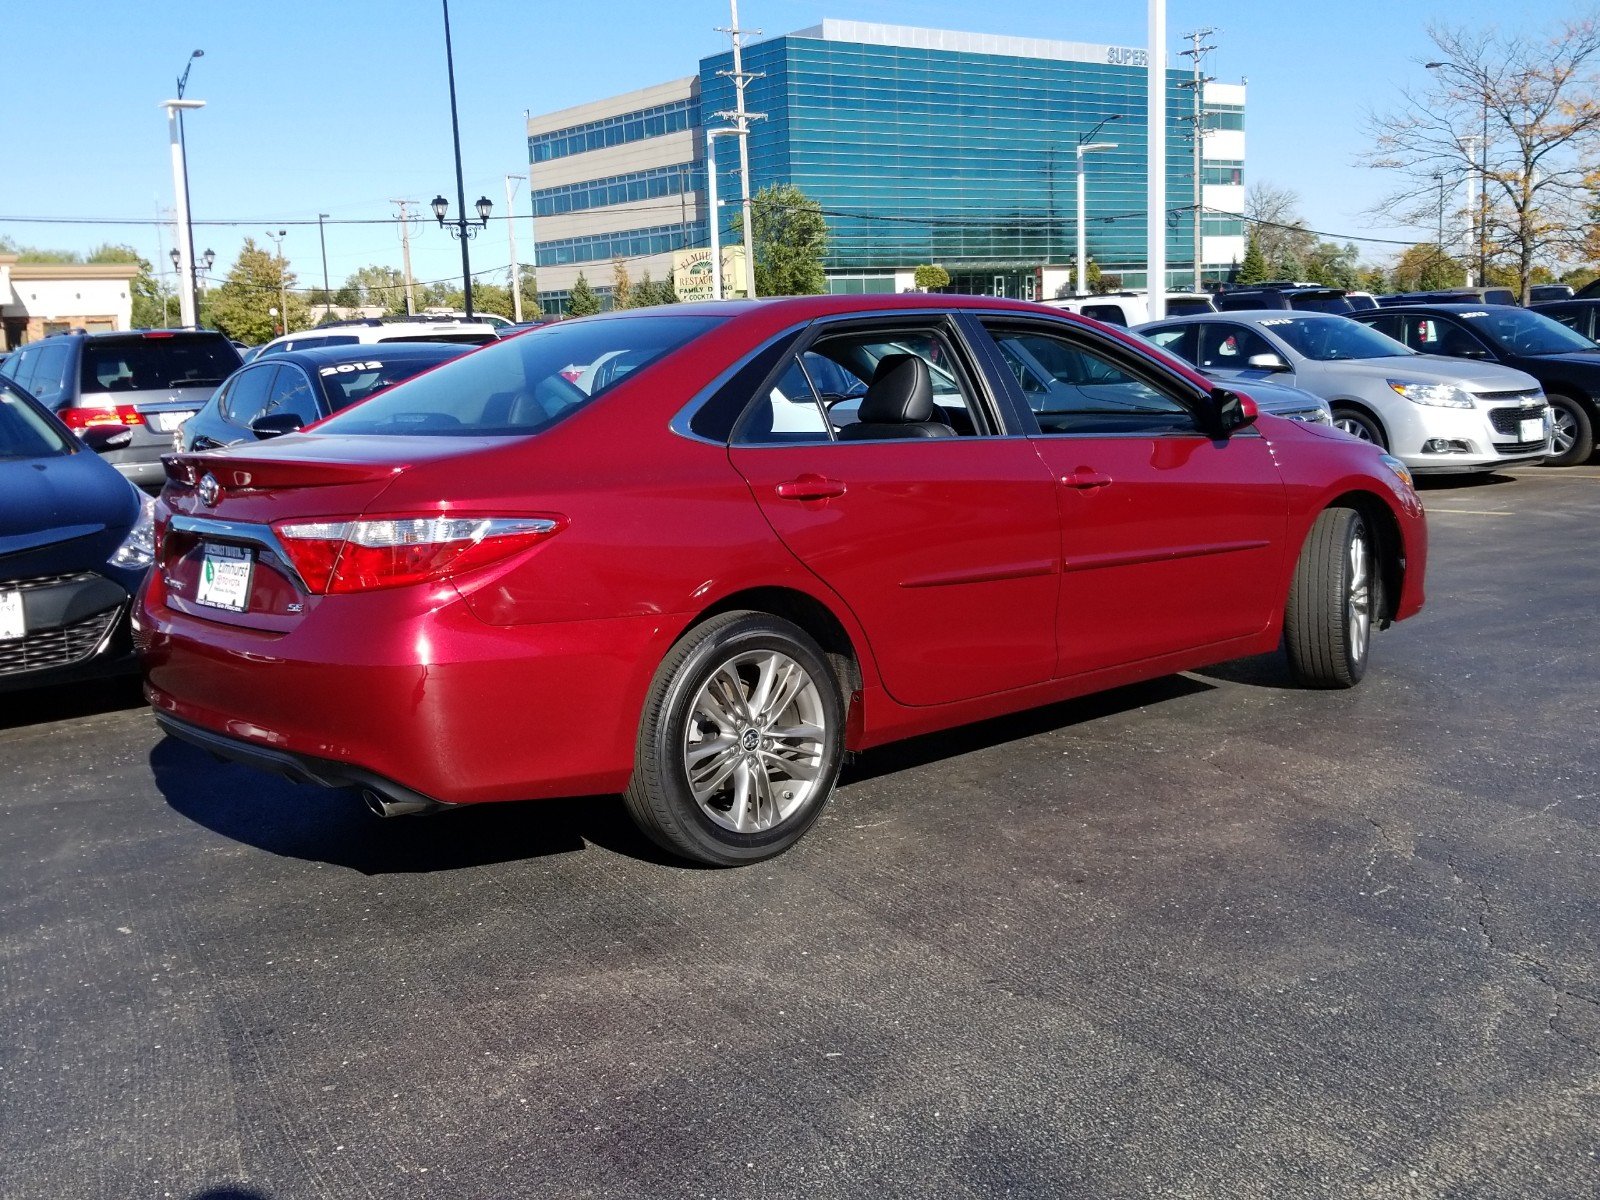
1174, 339
1074, 387
24, 430
1230, 347
523, 384
848, 362
1430, 335
246, 398
291, 393
1111, 314
1523, 332
47, 379
788, 412
1389, 326
346, 383
156, 363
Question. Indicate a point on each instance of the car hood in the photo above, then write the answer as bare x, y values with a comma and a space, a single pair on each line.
1435, 368
1586, 361
52, 501
1277, 397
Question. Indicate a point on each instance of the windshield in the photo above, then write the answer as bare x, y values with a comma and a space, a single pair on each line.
1518, 331
25, 432
157, 362
1329, 339
525, 383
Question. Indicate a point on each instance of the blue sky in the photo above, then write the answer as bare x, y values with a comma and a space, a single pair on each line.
339, 106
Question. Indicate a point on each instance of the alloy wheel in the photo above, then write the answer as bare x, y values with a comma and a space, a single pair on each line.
1566, 431
753, 744
1358, 596
1355, 427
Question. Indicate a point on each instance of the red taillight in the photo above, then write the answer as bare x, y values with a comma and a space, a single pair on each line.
334, 556
109, 414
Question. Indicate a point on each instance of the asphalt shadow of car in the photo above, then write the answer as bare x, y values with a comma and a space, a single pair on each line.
333, 826
69, 701
1462, 483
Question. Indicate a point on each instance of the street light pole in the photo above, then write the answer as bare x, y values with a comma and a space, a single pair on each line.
327, 296
1086, 145
183, 153
283, 290
461, 191
186, 297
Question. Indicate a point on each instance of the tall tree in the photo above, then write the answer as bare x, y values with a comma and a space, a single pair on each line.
1519, 110
1425, 267
581, 301
1254, 267
241, 306
1276, 226
375, 286
791, 237
621, 285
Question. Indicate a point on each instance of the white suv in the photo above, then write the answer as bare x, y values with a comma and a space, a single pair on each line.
366, 330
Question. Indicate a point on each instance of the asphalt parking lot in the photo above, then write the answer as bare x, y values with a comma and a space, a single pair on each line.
1210, 937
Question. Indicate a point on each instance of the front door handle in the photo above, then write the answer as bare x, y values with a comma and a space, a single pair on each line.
1085, 480
810, 487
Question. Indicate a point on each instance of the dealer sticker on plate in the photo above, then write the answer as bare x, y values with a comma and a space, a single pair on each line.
12, 626
225, 577
1532, 429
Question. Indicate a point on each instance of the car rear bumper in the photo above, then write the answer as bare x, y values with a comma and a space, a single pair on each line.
386, 690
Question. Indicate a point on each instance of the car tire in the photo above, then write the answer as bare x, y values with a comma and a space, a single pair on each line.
740, 741
1359, 424
1333, 600
1574, 440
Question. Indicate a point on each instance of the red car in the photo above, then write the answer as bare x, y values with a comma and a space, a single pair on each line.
763, 533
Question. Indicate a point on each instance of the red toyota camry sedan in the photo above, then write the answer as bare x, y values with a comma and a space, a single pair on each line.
741, 539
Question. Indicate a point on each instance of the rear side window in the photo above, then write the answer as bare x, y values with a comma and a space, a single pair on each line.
524, 384
47, 378
144, 364
1111, 314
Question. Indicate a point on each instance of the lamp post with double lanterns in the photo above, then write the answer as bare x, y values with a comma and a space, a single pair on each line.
461, 228
202, 268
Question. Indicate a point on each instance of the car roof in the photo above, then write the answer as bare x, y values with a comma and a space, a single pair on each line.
327, 356
1250, 314
1454, 306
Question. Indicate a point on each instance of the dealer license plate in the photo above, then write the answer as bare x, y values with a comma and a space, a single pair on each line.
1532, 429
225, 577
12, 625
168, 422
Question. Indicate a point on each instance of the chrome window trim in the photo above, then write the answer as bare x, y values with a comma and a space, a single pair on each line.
260, 536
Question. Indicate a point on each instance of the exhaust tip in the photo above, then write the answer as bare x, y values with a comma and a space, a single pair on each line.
384, 806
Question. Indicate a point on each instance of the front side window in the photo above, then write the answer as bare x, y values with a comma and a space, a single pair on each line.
246, 397
1072, 387
1226, 347
1430, 335
523, 384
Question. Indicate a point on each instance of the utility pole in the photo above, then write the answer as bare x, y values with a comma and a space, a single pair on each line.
1469, 145
741, 122
511, 237
1197, 120
405, 255
327, 296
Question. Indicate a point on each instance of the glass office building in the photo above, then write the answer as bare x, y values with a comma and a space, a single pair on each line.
921, 146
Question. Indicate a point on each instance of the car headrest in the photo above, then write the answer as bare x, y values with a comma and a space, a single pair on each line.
901, 392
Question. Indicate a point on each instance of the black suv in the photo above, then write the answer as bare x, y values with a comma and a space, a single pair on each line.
1303, 297
149, 381
1566, 365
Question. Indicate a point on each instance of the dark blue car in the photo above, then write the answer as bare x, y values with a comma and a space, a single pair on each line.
75, 543
279, 393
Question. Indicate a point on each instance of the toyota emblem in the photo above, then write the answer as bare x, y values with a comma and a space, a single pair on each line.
209, 490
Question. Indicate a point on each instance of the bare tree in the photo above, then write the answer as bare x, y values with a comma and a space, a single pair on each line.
1275, 224
1518, 113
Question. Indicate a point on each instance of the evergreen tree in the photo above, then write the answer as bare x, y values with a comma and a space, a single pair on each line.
929, 278
581, 301
1254, 267
646, 293
240, 307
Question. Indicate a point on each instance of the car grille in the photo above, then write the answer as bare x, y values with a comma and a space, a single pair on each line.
1519, 447
1523, 396
45, 648
1509, 420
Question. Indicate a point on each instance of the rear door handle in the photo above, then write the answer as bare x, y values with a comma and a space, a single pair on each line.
810, 487
1086, 480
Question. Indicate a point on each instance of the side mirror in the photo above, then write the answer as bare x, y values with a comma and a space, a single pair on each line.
276, 425
101, 438
1266, 362
1232, 411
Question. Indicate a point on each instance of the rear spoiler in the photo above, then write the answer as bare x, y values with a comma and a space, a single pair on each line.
243, 474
